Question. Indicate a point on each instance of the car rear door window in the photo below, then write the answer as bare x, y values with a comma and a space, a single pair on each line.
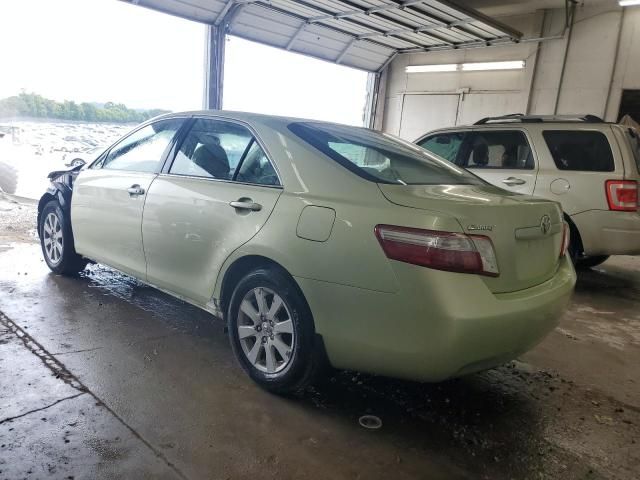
505, 149
143, 149
256, 168
581, 150
212, 149
445, 145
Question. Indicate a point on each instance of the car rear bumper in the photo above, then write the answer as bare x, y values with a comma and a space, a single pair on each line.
605, 232
439, 325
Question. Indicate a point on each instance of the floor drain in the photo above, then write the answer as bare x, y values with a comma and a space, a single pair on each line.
370, 421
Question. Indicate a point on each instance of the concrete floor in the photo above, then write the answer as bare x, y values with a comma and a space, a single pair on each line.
102, 377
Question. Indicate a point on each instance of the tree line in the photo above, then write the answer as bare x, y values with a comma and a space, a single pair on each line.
34, 105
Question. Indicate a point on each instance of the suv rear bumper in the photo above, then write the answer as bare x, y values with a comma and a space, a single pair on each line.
606, 232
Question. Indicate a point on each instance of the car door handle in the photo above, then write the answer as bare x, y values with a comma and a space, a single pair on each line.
513, 181
135, 190
246, 204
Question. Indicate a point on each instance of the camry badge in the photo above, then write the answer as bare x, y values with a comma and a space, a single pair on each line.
545, 224
486, 228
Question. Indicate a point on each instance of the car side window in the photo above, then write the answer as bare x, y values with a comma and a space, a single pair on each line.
587, 151
507, 149
142, 150
211, 149
256, 168
445, 145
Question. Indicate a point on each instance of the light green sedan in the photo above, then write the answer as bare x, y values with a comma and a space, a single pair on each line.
319, 244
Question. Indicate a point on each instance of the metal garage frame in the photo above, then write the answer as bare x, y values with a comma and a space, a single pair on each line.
363, 34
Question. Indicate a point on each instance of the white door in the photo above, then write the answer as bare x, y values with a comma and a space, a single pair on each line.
422, 113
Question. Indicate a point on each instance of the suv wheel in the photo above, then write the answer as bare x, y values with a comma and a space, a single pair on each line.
56, 240
272, 332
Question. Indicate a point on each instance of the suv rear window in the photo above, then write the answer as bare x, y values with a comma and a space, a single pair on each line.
382, 158
580, 150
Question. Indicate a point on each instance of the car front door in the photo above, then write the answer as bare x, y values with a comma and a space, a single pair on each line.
108, 198
215, 196
501, 157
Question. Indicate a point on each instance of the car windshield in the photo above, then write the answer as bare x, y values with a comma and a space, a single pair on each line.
380, 157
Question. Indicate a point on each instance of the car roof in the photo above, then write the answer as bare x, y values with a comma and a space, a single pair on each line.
249, 117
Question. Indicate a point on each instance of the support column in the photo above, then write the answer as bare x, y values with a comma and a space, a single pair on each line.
214, 67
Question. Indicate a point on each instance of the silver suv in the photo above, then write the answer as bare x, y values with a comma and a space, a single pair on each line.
591, 167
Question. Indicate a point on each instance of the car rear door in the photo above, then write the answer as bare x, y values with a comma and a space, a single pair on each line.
213, 197
108, 197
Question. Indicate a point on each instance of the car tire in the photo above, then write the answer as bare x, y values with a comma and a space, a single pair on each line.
588, 262
8, 178
257, 333
56, 240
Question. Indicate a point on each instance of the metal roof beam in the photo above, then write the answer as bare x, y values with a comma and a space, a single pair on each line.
346, 49
295, 36
396, 33
297, 16
379, 32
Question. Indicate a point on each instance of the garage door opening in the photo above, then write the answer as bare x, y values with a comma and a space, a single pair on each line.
263, 79
630, 105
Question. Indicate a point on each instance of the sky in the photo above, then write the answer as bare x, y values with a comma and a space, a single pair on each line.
107, 50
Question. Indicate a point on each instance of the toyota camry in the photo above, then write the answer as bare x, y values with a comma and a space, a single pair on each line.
318, 244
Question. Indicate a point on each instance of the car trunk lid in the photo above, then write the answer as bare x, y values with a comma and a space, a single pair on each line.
526, 232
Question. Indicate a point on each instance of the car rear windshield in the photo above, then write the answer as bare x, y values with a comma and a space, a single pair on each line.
582, 150
634, 140
381, 158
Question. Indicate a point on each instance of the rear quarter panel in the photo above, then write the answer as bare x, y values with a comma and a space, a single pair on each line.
585, 190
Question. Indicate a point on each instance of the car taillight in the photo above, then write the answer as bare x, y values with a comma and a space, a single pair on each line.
566, 239
454, 252
622, 195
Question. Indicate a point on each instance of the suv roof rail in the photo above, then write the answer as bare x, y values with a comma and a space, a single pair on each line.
519, 117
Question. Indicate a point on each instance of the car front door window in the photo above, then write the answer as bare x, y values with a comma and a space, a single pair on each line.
142, 150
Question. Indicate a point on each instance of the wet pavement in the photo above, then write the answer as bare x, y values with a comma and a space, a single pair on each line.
103, 377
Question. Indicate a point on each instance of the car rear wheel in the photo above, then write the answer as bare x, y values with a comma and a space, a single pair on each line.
56, 240
272, 332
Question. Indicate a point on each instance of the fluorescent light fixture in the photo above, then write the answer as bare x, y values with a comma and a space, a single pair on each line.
449, 67
628, 3
467, 67
511, 65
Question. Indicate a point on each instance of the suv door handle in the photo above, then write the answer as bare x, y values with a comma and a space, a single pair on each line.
135, 190
246, 204
513, 181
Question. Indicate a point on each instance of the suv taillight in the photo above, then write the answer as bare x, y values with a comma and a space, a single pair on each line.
622, 195
454, 252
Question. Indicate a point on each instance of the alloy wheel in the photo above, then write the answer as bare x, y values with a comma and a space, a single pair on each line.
265, 330
53, 238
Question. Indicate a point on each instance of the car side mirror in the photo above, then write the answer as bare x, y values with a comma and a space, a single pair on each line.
78, 163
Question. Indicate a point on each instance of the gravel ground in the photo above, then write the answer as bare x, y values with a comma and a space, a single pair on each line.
17, 219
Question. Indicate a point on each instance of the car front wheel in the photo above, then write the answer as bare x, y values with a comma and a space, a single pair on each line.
272, 332
56, 240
